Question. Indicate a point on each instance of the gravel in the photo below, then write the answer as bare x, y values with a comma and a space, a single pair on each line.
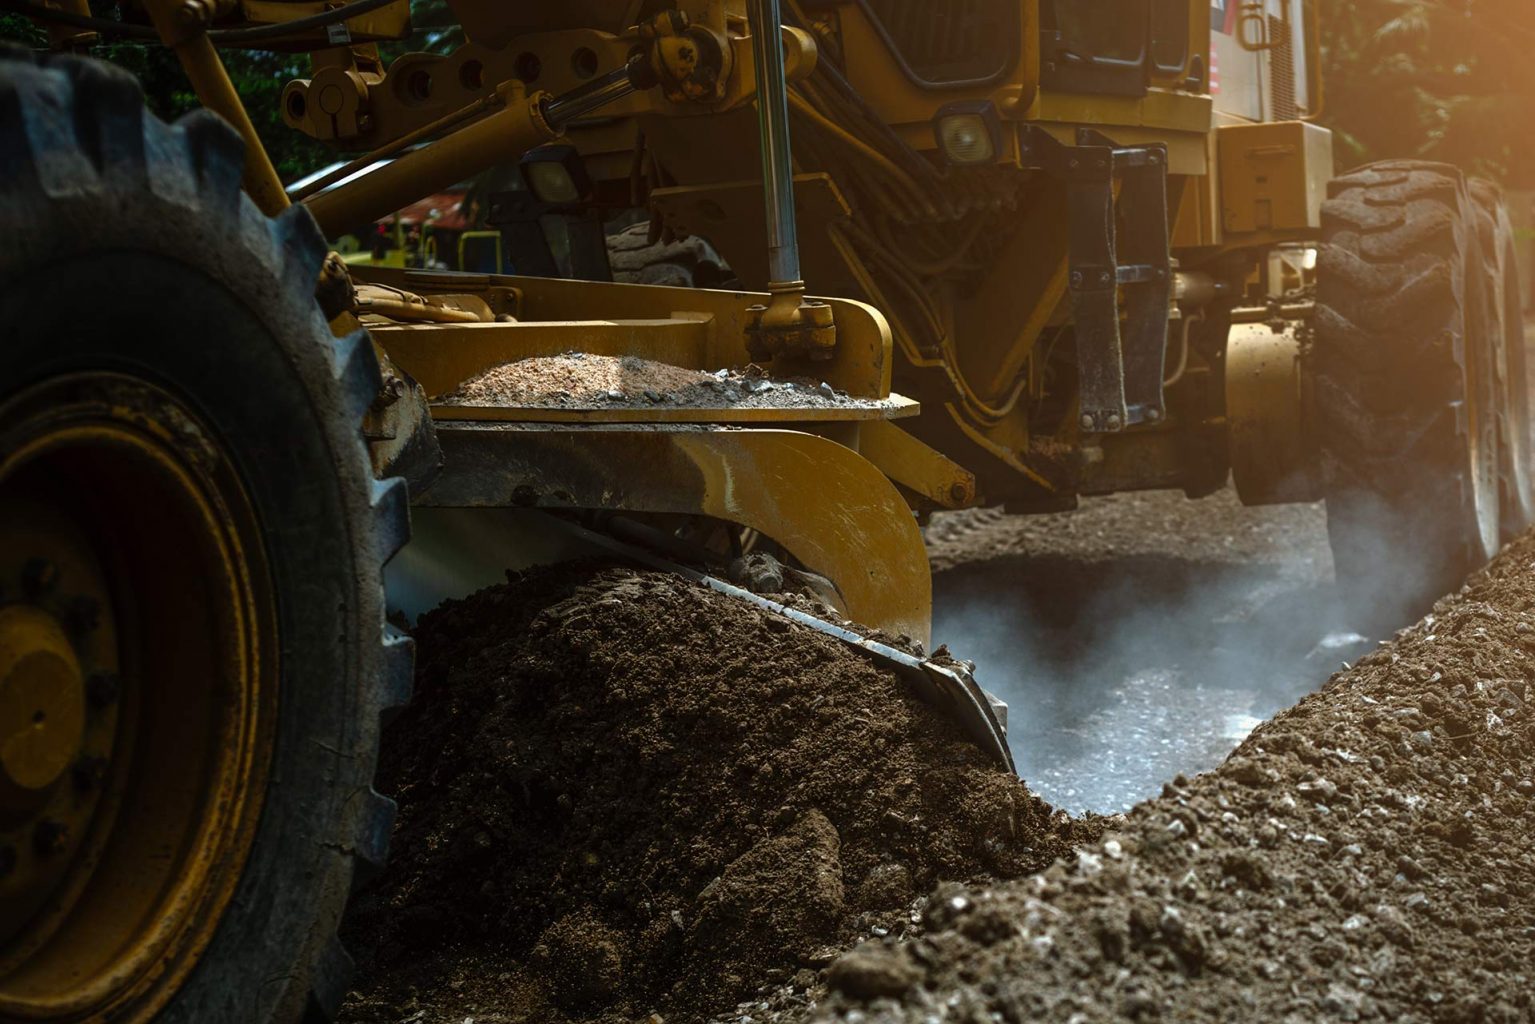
582, 381
1365, 855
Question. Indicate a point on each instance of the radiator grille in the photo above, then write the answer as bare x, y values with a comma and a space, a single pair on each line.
1282, 69
950, 43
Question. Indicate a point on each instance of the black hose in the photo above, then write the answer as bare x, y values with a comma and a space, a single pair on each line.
223, 37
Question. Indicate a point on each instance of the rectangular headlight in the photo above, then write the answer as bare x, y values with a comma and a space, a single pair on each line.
968, 133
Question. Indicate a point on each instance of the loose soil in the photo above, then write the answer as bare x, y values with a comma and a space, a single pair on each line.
580, 380
1117, 527
1364, 855
623, 794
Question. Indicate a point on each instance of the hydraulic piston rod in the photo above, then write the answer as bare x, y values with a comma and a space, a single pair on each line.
773, 125
788, 324
523, 122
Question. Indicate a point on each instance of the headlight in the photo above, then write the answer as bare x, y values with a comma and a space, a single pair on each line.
556, 175
968, 133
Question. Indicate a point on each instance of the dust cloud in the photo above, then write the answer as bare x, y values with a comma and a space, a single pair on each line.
1151, 639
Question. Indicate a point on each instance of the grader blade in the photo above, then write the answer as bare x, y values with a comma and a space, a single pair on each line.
948, 686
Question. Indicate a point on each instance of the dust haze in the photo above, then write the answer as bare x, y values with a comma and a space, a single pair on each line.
1148, 635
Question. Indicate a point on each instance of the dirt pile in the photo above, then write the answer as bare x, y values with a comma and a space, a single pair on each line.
581, 380
1365, 855
620, 793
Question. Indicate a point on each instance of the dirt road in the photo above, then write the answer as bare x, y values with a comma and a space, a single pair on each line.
1363, 856
1140, 636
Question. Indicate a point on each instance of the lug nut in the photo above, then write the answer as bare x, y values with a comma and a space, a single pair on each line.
102, 689
38, 577
49, 838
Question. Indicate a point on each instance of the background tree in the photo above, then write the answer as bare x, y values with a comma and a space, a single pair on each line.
258, 75
1450, 80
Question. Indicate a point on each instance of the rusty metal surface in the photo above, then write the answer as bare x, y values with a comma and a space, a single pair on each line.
827, 506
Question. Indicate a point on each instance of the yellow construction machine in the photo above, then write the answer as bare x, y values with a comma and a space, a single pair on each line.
1018, 252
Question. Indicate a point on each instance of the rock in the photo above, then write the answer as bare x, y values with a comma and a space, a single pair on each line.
827, 391
1318, 790
873, 971
1249, 772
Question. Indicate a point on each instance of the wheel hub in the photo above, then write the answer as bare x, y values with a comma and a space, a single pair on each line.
42, 705
136, 687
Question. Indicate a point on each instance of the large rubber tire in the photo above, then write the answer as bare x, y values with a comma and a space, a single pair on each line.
1495, 233
1400, 373
131, 250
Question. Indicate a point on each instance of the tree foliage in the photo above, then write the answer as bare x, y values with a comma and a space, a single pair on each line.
1450, 80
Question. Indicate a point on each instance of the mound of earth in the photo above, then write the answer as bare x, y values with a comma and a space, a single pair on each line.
582, 380
1365, 855
623, 794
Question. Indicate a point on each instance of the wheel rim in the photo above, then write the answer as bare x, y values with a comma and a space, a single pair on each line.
137, 695
1482, 432
1514, 435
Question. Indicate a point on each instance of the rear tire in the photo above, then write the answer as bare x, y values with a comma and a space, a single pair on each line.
1402, 376
143, 298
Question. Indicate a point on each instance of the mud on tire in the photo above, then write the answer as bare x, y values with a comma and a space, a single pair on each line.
131, 250
1401, 375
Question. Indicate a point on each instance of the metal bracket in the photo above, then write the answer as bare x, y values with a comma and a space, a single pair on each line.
1115, 247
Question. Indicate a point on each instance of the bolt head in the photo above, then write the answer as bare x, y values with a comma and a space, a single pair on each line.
1113, 422
1154, 415
1086, 421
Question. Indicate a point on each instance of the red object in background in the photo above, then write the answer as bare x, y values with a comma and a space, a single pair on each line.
446, 204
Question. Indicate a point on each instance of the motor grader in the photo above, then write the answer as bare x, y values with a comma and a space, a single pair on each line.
1031, 251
